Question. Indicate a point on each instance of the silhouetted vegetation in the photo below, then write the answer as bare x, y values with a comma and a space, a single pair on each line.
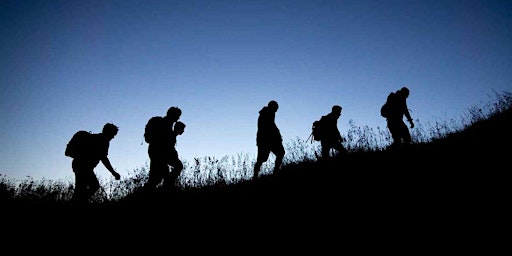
442, 160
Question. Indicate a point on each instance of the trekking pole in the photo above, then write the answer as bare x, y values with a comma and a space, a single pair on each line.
310, 137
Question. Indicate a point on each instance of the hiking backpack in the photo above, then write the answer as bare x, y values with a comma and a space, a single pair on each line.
317, 130
387, 107
78, 145
152, 129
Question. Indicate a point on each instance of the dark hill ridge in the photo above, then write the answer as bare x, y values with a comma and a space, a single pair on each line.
457, 182
460, 170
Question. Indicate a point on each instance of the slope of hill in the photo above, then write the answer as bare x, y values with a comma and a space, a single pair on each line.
455, 185
459, 174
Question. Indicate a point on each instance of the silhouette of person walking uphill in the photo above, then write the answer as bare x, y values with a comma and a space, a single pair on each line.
331, 136
87, 150
268, 138
160, 133
397, 110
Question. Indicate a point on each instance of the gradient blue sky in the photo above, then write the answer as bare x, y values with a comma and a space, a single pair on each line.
73, 65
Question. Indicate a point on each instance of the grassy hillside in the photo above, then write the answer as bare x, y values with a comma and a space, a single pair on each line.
440, 168
457, 181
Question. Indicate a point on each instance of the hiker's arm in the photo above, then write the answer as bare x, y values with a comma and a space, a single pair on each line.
338, 134
336, 131
106, 163
408, 116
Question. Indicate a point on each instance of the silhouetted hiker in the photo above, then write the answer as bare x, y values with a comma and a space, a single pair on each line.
160, 135
268, 138
395, 123
87, 152
331, 136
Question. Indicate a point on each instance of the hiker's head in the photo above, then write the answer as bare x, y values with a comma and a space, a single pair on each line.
173, 113
179, 127
110, 130
336, 109
404, 91
273, 105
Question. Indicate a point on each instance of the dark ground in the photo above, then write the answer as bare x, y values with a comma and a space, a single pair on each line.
453, 191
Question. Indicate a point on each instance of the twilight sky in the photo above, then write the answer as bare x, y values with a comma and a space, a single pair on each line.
76, 65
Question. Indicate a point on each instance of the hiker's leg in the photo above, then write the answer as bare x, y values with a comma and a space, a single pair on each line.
279, 152
257, 167
326, 148
406, 134
80, 191
340, 148
92, 183
177, 168
158, 170
394, 130
263, 154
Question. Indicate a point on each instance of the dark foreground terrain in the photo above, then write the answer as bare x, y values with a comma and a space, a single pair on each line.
441, 192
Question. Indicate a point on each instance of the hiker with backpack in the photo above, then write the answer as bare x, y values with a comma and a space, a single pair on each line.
160, 133
394, 111
268, 138
87, 150
330, 137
